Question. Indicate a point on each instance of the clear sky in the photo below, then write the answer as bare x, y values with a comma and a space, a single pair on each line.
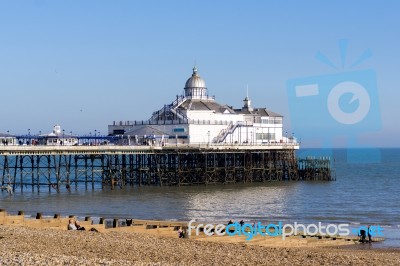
84, 64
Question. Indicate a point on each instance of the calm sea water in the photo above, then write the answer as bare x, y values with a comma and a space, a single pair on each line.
364, 193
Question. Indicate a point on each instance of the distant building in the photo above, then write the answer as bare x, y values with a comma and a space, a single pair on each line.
7, 139
57, 138
196, 117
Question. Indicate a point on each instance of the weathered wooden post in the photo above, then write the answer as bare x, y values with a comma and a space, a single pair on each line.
115, 223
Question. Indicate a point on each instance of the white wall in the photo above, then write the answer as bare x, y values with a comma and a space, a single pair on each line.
199, 133
211, 116
10, 141
65, 141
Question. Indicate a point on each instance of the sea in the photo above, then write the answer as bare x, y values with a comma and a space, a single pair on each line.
366, 192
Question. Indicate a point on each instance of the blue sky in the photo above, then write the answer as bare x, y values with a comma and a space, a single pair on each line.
84, 64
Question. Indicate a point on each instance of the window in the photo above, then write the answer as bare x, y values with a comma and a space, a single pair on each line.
265, 136
265, 120
271, 120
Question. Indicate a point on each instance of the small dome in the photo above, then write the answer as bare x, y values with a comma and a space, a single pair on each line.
57, 129
195, 81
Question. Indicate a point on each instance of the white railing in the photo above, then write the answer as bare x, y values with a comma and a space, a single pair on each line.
225, 132
178, 113
171, 108
174, 108
107, 149
157, 113
178, 101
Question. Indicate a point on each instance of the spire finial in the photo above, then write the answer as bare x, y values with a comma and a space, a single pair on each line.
194, 70
246, 101
247, 93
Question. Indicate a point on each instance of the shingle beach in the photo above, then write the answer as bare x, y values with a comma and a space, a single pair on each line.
30, 246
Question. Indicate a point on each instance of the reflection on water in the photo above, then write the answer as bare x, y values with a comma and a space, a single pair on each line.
212, 203
256, 202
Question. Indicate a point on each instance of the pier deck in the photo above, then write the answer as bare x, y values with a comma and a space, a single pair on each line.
132, 149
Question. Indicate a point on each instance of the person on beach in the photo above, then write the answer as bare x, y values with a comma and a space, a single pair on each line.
71, 225
78, 226
362, 235
369, 234
75, 225
180, 233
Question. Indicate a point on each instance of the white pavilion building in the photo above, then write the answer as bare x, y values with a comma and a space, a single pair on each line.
195, 118
58, 138
7, 139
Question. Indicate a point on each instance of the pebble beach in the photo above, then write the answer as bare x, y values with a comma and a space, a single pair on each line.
30, 246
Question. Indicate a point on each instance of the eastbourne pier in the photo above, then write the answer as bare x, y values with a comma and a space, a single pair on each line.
194, 140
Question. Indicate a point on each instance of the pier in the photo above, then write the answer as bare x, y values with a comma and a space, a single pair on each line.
60, 168
193, 140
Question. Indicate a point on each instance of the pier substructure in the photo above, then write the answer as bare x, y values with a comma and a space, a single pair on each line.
66, 168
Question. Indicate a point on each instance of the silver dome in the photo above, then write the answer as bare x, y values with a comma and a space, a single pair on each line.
195, 81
